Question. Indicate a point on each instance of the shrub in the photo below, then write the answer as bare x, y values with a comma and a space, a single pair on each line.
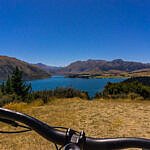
59, 93
5, 100
132, 90
135, 96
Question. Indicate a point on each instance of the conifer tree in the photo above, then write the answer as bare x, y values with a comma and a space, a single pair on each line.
19, 86
8, 86
16, 85
3, 87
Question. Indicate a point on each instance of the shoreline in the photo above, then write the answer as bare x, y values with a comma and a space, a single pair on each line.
94, 76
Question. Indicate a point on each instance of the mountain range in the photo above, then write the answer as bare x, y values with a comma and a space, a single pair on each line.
117, 67
101, 67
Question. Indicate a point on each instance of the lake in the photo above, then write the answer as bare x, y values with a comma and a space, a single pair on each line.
90, 85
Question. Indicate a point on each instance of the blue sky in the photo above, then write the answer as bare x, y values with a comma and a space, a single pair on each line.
57, 32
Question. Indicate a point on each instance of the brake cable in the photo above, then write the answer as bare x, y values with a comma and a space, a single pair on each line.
72, 137
14, 124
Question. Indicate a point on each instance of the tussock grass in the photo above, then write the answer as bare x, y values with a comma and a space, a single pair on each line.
17, 106
98, 118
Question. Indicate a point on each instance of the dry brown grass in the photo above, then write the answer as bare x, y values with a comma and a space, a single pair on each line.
98, 118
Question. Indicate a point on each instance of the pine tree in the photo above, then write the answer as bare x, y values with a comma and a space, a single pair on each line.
3, 87
19, 86
8, 86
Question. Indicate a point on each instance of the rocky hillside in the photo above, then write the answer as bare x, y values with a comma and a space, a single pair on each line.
8, 64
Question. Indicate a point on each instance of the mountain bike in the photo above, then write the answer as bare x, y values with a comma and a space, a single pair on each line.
68, 139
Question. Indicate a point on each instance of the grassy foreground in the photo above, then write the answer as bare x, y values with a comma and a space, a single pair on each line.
98, 118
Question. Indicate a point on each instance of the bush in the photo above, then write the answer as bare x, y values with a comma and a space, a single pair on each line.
59, 93
135, 96
132, 90
5, 100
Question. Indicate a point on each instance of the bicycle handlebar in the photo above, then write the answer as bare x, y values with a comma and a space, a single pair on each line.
59, 137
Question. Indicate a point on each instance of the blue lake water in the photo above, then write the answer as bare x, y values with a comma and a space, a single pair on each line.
90, 85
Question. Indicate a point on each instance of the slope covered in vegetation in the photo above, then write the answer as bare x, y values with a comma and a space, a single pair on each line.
134, 88
143, 80
8, 65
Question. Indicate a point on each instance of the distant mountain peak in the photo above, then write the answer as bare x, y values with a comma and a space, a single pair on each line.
118, 60
47, 68
40, 63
